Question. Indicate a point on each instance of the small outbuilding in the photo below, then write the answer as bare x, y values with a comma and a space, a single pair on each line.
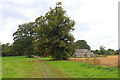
83, 53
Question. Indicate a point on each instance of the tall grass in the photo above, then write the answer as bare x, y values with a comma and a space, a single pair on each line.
110, 61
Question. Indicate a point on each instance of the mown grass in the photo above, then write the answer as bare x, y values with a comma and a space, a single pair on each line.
22, 67
81, 70
45, 58
19, 67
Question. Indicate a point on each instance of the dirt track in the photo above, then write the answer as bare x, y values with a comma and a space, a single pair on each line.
48, 71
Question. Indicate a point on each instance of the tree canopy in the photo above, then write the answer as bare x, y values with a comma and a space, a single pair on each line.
7, 50
81, 44
23, 38
53, 34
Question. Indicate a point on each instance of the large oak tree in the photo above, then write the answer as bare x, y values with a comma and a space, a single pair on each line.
53, 34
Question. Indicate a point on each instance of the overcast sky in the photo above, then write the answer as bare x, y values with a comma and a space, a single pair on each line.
96, 20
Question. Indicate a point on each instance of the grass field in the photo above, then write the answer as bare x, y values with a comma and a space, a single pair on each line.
21, 67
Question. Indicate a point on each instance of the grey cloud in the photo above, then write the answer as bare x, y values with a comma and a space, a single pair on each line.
82, 27
12, 9
29, 4
12, 12
74, 5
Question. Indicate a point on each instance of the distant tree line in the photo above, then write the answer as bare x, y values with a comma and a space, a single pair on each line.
10, 50
20, 48
103, 51
7, 50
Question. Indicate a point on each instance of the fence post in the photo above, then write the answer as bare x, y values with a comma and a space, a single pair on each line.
94, 60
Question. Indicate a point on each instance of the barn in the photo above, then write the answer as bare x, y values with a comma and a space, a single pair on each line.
83, 53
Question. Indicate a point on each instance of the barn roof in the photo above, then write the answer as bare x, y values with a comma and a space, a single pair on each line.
82, 51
